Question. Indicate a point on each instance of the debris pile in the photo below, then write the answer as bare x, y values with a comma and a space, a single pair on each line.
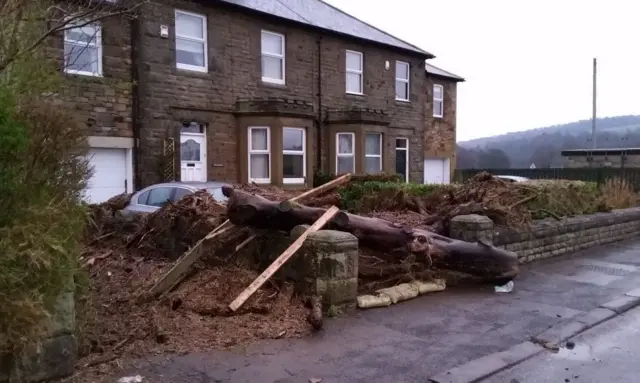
127, 255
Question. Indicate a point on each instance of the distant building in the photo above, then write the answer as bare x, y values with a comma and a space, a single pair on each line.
602, 158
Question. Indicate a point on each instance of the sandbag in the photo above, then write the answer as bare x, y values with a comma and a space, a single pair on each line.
372, 301
400, 293
429, 287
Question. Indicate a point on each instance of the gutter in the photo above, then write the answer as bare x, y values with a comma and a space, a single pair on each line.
319, 117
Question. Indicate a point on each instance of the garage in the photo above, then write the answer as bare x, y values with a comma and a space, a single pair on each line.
110, 176
437, 171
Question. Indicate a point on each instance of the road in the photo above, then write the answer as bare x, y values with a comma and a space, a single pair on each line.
608, 352
419, 339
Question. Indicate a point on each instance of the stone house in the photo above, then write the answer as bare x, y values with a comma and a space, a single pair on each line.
440, 125
602, 158
256, 91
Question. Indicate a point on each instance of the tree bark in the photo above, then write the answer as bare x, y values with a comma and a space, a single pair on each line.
490, 264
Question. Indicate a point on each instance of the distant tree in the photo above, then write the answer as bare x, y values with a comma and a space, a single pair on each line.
465, 158
493, 159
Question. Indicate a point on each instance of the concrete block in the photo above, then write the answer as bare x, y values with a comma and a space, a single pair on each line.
561, 332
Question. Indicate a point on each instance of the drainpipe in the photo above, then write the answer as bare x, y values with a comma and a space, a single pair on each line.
135, 97
319, 117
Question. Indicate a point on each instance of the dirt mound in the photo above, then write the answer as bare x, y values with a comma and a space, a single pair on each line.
121, 325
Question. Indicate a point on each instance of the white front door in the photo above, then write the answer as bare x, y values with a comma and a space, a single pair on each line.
436, 171
193, 157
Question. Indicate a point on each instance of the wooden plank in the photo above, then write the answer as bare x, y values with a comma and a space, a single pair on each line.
322, 188
284, 257
179, 270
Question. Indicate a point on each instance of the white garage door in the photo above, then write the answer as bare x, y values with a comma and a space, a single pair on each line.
437, 171
109, 174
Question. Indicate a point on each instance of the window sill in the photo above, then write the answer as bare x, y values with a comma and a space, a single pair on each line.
293, 181
190, 72
354, 94
441, 117
401, 102
272, 84
83, 74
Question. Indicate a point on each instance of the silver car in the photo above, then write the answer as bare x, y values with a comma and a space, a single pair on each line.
153, 197
513, 178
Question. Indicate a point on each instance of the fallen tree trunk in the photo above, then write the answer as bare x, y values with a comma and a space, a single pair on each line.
490, 264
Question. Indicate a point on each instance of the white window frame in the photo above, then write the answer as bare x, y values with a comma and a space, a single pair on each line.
282, 57
302, 152
406, 149
440, 100
203, 40
259, 151
403, 80
372, 155
85, 45
354, 71
353, 150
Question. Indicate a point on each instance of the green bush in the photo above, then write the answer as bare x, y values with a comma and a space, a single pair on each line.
44, 171
375, 195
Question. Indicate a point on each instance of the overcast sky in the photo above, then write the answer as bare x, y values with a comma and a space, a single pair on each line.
527, 63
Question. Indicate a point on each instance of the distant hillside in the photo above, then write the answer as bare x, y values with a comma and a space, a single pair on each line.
542, 146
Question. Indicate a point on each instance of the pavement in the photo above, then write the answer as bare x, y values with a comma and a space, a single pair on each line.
456, 336
608, 352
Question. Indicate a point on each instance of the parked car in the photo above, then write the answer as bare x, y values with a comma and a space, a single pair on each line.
513, 178
153, 197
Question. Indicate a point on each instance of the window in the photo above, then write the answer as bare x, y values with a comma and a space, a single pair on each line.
345, 153
293, 156
159, 196
354, 72
402, 158
259, 155
373, 153
402, 81
438, 101
83, 50
272, 57
179, 193
191, 41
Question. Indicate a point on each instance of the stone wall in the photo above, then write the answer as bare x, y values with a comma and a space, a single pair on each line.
55, 357
326, 265
550, 238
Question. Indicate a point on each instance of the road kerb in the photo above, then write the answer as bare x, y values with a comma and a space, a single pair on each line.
481, 368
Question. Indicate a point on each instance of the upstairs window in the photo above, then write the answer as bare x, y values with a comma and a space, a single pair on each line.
354, 72
402, 81
438, 101
191, 41
83, 50
273, 66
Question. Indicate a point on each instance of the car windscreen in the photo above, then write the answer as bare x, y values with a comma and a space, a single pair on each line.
217, 194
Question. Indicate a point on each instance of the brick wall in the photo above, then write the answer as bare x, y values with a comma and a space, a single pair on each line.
440, 133
550, 238
170, 96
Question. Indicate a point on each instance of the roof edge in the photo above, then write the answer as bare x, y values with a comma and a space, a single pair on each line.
439, 72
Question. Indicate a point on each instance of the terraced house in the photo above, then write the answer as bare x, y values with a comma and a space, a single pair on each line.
258, 91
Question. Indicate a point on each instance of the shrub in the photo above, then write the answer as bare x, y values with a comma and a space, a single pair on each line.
375, 195
618, 193
43, 176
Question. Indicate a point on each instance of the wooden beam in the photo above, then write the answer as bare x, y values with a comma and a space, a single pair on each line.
284, 257
172, 278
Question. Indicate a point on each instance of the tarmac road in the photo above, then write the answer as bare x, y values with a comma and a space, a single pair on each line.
608, 352
422, 338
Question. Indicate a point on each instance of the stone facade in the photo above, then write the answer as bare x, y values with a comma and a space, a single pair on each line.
440, 132
551, 238
231, 95
103, 102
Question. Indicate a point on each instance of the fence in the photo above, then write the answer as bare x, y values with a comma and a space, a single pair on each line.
598, 175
